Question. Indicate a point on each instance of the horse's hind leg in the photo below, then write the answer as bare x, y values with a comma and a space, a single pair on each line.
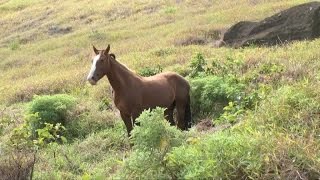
127, 121
168, 113
181, 116
187, 114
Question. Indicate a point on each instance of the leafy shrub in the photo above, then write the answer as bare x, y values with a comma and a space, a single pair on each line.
209, 95
50, 109
197, 65
154, 131
150, 71
230, 66
79, 118
152, 140
247, 99
221, 91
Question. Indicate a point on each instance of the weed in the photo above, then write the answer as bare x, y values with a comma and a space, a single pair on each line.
15, 44
170, 10
197, 65
149, 71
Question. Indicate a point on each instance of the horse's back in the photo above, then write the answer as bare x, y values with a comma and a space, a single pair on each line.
169, 82
177, 82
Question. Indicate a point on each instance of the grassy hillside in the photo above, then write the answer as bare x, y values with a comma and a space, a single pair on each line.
45, 48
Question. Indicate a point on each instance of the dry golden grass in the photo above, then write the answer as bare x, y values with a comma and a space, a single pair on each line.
39, 56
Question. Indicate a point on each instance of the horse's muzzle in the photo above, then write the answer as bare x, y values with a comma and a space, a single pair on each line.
92, 82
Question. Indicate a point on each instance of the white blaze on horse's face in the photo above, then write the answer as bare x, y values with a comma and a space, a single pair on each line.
91, 76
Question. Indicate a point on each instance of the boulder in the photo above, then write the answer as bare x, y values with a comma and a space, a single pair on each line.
301, 22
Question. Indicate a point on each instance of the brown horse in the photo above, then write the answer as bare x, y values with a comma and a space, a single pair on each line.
133, 93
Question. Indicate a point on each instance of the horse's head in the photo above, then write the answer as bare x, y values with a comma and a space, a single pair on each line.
100, 65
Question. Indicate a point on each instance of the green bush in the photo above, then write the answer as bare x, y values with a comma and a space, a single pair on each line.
51, 109
221, 91
210, 94
152, 140
154, 131
230, 66
197, 65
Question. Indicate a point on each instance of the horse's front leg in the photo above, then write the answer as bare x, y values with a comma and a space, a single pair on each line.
135, 115
127, 121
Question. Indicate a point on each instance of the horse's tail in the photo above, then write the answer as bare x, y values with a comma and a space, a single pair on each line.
187, 114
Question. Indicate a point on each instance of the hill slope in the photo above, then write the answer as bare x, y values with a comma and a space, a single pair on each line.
45, 48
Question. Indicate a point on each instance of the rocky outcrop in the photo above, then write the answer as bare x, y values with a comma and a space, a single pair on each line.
301, 22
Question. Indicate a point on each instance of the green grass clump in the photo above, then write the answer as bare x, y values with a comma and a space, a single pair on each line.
291, 109
235, 154
226, 155
97, 156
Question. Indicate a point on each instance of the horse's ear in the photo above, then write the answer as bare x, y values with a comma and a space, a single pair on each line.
96, 51
113, 56
107, 50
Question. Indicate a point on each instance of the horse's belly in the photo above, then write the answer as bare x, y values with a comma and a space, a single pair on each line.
159, 99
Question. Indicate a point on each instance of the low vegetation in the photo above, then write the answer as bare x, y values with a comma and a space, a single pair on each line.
263, 103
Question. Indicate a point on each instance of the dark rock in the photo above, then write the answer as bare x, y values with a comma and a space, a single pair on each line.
301, 22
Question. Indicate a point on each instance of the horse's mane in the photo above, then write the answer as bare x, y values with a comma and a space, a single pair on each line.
124, 67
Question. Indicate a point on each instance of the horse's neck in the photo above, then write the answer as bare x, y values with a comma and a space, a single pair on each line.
120, 77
